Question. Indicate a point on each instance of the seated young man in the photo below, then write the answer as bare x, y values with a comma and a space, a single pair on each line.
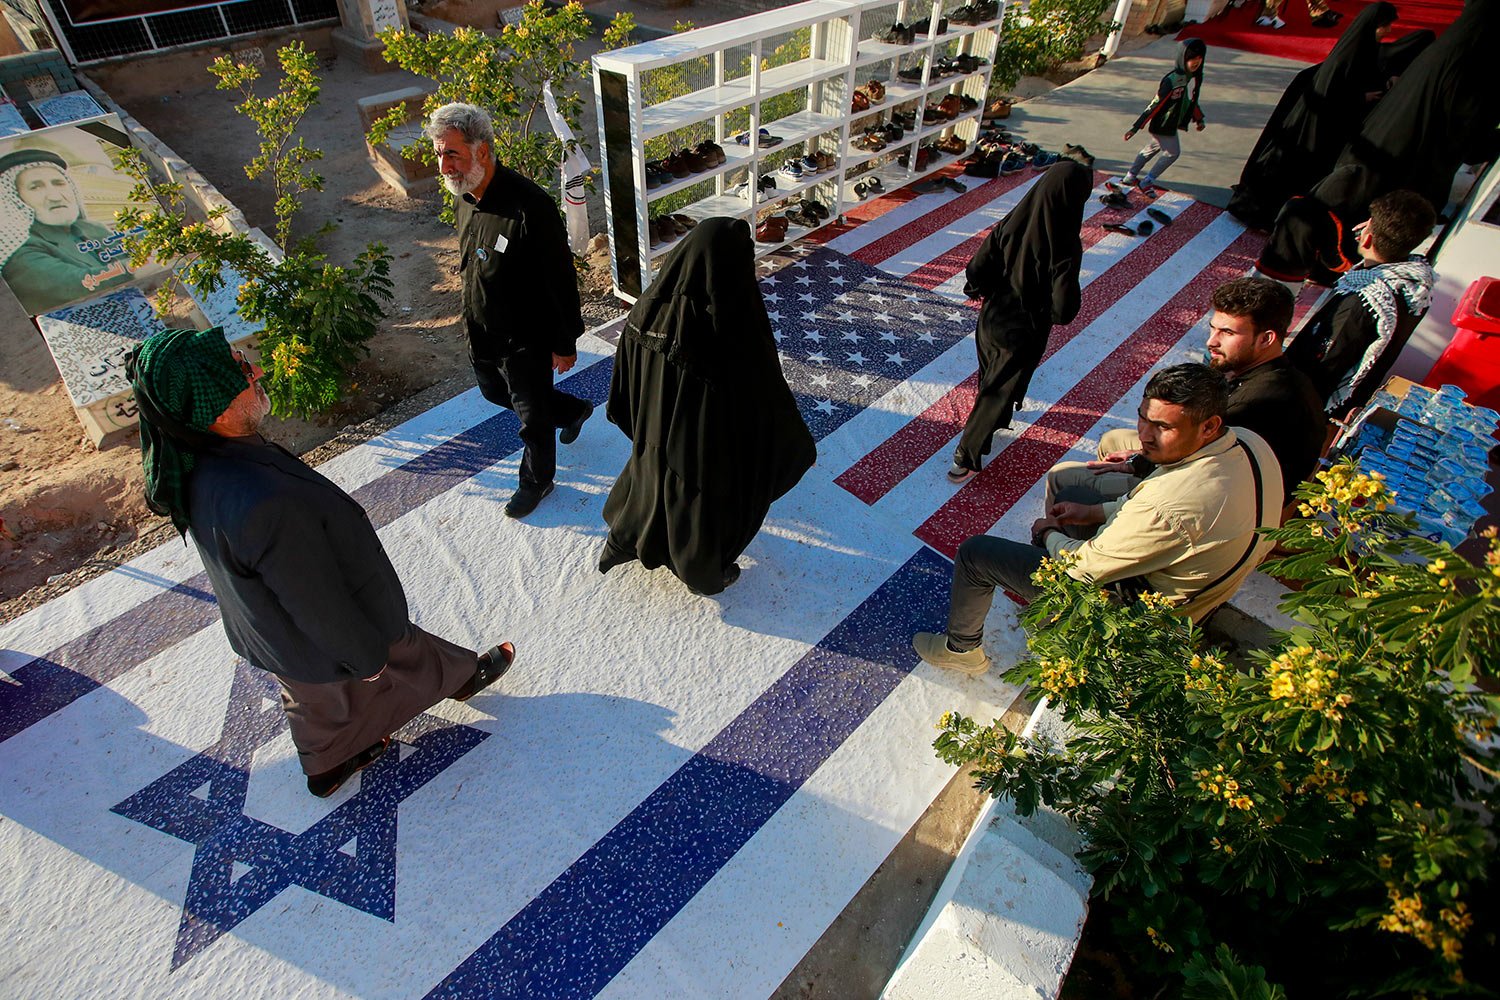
1187, 531
1267, 395
1348, 347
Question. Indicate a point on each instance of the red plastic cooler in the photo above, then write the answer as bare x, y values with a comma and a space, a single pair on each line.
1472, 360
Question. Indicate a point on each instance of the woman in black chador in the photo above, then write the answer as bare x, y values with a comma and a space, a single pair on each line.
1027, 274
715, 433
1316, 116
1442, 112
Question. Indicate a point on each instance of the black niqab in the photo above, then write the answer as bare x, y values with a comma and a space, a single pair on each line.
1036, 250
715, 433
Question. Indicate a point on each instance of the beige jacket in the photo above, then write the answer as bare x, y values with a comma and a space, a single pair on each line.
1185, 525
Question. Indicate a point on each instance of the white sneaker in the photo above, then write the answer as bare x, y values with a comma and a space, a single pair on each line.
933, 647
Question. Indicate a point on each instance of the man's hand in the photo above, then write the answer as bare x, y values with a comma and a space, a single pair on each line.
1068, 512
561, 363
1039, 529
1200, 123
1129, 134
1100, 468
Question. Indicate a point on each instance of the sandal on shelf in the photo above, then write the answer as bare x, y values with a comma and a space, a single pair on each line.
797, 217
814, 209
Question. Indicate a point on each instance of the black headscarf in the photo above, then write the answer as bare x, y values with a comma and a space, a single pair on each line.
715, 432
1037, 249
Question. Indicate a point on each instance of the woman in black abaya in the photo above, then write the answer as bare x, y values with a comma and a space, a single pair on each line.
1441, 113
715, 433
1320, 110
1026, 271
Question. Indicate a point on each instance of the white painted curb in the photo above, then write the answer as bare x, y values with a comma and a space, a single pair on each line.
1006, 921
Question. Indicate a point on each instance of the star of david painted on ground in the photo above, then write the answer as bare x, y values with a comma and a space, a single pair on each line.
240, 863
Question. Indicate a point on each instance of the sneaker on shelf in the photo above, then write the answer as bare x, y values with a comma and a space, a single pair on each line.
792, 169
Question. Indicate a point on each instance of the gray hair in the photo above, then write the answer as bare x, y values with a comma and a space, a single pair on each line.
473, 123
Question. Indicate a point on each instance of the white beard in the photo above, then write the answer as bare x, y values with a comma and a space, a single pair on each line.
468, 182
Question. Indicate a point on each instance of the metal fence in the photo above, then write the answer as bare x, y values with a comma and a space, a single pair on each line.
105, 39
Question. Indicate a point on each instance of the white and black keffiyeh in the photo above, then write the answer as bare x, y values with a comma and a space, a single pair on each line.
1382, 289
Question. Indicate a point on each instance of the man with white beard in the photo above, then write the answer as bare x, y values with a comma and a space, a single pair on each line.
520, 293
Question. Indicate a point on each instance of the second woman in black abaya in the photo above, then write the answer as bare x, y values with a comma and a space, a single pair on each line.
1321, 109
1026, 272
714, 430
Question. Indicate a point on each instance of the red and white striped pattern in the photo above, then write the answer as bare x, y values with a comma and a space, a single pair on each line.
1142, 297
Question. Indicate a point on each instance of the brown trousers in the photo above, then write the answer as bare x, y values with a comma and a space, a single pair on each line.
333, 722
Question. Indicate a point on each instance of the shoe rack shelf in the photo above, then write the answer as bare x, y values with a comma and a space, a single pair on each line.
712, 84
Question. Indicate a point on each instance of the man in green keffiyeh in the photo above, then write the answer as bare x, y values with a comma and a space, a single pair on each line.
304, 588
190, 376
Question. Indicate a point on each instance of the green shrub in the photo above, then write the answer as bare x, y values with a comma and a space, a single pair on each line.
317, 316
1315, 811
1038, 37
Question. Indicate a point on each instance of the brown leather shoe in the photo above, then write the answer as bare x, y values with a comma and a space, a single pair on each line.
951, 106
952, 144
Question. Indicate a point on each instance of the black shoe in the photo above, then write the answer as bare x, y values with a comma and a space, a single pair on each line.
325, 784
570, 433
493, 663
524, 500
730, 576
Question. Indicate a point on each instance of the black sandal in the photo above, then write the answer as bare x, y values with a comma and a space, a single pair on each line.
492, 665
325, 784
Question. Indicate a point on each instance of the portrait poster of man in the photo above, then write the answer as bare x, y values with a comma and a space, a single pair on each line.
59, 192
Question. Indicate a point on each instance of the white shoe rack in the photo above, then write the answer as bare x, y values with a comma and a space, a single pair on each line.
793, 72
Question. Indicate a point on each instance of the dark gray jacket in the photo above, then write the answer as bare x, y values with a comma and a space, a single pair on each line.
303, 585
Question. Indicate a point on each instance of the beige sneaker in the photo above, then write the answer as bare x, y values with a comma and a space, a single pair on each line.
933, 647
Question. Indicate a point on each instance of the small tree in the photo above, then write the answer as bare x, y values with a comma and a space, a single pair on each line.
316, 316
1315, 812
503, 74
1043, 34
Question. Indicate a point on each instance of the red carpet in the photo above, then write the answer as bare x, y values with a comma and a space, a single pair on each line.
1299, 40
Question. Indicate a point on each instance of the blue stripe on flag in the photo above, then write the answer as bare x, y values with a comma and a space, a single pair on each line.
580, 931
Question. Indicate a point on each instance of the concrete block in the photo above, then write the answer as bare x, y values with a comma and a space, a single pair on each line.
408, 176
89, 341
368, 55
1008, 932
376, 105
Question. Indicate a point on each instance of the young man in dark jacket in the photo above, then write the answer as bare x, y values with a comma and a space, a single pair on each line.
520, 293
1175, 105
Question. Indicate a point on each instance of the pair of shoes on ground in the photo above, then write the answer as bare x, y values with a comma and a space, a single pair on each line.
933, 647
1144, 228
938, 184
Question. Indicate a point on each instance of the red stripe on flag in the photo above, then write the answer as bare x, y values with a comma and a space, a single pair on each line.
875, 475
950, 262
988, 496
948, 213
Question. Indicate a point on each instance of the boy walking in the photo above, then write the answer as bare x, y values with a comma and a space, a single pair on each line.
1175, 105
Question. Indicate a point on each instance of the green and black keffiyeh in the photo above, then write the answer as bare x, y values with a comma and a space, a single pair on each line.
183, 380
